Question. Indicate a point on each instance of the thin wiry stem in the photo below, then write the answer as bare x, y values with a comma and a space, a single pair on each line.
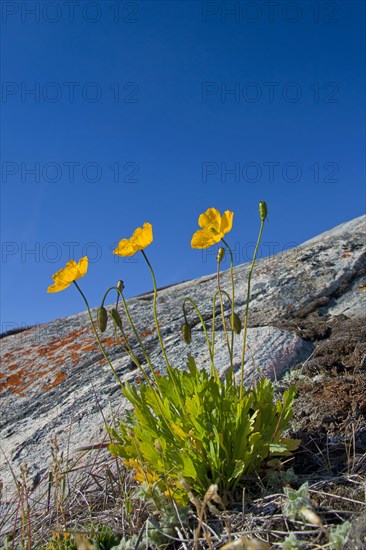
188, 299
223, 316
97, 335
247, 308
232, 292
155, 310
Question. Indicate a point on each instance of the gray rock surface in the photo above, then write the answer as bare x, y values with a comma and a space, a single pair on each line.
55, 382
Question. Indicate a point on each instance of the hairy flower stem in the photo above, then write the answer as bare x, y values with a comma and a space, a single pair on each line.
101, 347
156, 391
232, 292
127, 348
247, 308
188, 299
155, 312
223, 316
157, 394
106, 294
214, 317
169, 368
146, 355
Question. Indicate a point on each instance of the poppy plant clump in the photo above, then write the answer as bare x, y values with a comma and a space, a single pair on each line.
189, 428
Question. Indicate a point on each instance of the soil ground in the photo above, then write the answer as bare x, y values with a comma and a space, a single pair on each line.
330, 408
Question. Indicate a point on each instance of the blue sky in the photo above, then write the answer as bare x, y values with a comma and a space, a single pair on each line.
117, 113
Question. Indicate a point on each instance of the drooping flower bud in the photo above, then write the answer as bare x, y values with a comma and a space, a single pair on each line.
102, 318
116, 317
263, 210
220, 254
186, 333
236, 323
120, 286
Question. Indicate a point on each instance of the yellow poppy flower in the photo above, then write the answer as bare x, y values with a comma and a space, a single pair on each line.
64, 277
140, 239
214, 226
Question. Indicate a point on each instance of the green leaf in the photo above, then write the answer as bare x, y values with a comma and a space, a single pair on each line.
188, 469
339, 535
276, 448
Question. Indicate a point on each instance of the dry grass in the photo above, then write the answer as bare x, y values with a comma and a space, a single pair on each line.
80, 495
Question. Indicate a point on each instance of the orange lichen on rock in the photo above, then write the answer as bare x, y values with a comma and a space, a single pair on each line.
41, 361
47, 360
60, 343
15, 383
108, 342
19, 381
60, 377
145, 333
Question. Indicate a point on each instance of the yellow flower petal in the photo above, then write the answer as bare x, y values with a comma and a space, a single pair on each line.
65, 276
141, 238
227, 221
57, 287
203, 239
211, 216
82, 267
125, 248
